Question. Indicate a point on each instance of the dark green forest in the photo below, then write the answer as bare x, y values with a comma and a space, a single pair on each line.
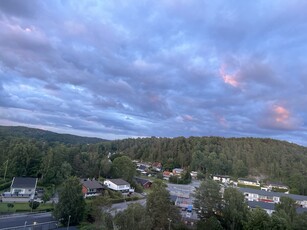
43, 135
54, 161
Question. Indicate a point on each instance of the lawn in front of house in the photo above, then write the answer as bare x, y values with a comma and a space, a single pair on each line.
24, 207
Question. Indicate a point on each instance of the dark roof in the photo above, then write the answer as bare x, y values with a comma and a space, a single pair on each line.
24, 182
91, 184
271, 206
119, 181
264, 205
277, 194
142, 167
142, 181
173, 198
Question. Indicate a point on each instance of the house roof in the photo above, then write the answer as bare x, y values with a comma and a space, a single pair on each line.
119, 181
142, 181
24, 182
142, 167
271, 206
91, 184
276, 194
263, 205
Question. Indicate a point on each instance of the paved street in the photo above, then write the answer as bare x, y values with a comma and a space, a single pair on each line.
22, 220
115, 208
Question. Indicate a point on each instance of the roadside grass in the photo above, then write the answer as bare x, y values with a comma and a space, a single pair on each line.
249, 186
24, 207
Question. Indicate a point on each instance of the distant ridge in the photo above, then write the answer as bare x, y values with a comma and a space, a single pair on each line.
48, 136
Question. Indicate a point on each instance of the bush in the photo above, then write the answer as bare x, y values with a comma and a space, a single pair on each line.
34, 205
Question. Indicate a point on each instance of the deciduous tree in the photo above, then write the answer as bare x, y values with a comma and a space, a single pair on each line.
208, 199
71, 204
235, 209
159, 207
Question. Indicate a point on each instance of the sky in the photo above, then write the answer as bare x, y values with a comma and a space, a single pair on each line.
166, 68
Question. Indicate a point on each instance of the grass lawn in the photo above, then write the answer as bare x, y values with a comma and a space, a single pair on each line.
24, 207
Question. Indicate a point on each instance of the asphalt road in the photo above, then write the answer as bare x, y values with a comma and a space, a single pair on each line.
26, 221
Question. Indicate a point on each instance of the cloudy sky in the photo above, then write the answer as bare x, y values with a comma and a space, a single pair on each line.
116, 69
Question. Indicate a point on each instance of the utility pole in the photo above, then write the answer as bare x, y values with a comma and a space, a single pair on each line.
68, 222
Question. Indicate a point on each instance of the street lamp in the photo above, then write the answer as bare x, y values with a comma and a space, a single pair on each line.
68, 222
169, 223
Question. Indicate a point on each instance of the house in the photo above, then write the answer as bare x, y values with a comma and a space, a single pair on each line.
167, 175
157, 166
177, 171
91, 188
141, 168
221, 178
193, 174
274, 185
144, 182
270, 207
22, 190
118, 185
271, 197
248, 182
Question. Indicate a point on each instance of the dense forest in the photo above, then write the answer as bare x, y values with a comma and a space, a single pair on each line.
43, 135
265, 159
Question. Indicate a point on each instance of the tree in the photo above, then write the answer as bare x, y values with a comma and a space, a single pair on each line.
280, 221
71, 204
258, 219
211, 224
300, 222
123, 167
208, 199
235, 209
159, 207
9, 205
133, 218
288, 205
34, 205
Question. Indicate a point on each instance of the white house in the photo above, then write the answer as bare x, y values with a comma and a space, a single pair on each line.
271, 197
248, 182
221, 178
22, 190
118, 185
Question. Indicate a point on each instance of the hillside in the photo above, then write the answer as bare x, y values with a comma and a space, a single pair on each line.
43, 135
260, 158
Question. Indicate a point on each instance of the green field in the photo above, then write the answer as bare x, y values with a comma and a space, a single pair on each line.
24, 207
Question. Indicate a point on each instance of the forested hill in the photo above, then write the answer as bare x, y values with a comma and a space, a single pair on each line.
239, 157
43, 135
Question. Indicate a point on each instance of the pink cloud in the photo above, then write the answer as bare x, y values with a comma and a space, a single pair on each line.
228, 78
279, 117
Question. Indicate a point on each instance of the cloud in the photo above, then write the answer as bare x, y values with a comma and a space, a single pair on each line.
280, 118
167, 68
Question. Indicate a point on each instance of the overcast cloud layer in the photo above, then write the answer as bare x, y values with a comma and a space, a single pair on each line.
116, 69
